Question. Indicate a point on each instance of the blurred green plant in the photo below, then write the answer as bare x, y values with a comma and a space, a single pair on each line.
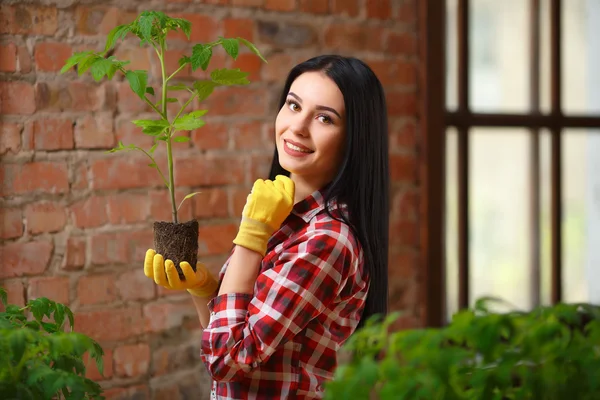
549, 353
41, 355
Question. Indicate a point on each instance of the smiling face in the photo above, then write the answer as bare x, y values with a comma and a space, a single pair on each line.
310, 129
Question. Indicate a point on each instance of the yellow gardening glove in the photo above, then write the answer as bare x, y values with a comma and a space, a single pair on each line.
200, 283
267, 206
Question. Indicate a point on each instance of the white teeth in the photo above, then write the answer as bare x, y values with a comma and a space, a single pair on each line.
293, 147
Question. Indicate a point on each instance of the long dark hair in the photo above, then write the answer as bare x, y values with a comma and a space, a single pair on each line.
363, 179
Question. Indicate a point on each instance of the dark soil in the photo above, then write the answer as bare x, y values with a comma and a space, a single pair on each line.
177, 242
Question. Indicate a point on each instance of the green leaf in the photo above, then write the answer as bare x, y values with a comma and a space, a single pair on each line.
86, 63
18, 341
59, 315
115, 34
225, 76
201, 55
204, 89
153, 148
75, 59
100, 68
145, 22
150, 90
187, 197
183, 24
184, 60
181, 139
138, 81
190, 121
3, 296
33, 325
252, 48
172, 100
177, 87
231, 46
151, 127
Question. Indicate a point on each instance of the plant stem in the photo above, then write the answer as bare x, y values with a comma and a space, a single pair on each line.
170, 133
175, 73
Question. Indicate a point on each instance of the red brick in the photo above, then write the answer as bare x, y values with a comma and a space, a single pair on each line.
203, 28
17, 98
260, 165
134, 285
91, 369
216, 239
161, 316
380, 9
15, 291
34, 177
10, 138
278, 68
123, 171
80, 179
239, 27
75, 254
404, 233
28, 19
213, 135
100, 20
22, 259
210, 203
45, 217
405, 205
52, 134
401, 103
403, 134
8, 57
75, 96
280, 5
161, 208
96, 289
401, 43
126, 208
129, 102
51, 56
23, 60
139, 57
403, 167
314, 6
238, 101
248, 3
110, 324
407, 12
128, 133
250, 63
90, 212
209, 170
95, 132
403, 264
353, 37
55, 288
11, 223
239, 196
132, 360
249, 135
120, 247
350, 8
394, 72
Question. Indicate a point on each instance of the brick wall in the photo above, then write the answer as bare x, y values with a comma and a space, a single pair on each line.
75, 221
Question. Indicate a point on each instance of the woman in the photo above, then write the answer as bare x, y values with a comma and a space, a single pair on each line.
310, 258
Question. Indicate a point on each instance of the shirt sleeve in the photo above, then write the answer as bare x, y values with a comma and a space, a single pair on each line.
245, 330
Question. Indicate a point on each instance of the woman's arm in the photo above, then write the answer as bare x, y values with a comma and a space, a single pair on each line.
201, 304
241, 272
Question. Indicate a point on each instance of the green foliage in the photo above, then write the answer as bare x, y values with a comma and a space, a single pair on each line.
40, 359
550, 353
152, 28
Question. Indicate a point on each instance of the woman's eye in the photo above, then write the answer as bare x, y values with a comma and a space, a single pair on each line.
293, 106
325, 119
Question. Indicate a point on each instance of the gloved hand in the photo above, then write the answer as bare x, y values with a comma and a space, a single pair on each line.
200, 283
267, 206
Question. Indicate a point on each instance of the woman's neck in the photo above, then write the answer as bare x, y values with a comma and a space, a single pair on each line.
304, 187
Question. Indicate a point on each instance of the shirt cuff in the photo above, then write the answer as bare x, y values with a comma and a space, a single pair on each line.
234, 302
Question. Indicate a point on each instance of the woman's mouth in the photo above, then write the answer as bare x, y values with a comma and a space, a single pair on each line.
295, 150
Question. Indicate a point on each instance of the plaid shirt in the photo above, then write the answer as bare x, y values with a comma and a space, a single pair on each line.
282, 341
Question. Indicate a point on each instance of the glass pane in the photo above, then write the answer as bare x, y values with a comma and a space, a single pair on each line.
545, 56
451, 225
499, 59
581, 216
545, 218
500, 246
451, 55
581, 56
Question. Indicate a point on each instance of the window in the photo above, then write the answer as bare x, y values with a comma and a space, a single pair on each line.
522, 153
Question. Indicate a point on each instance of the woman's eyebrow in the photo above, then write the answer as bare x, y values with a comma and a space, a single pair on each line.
322, 108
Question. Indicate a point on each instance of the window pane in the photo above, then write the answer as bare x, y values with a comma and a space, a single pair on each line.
545, 217
451, 55
545, 57
581, 216
581, 56
451, 225
499, 59
500, 215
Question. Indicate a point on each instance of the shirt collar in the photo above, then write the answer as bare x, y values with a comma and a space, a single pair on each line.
311, 205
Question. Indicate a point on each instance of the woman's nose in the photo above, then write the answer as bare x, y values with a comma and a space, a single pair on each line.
299, 127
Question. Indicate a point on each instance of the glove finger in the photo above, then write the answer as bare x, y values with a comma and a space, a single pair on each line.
150, 253
201, 273
172, 275
188, 272
159, 271
289, 185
